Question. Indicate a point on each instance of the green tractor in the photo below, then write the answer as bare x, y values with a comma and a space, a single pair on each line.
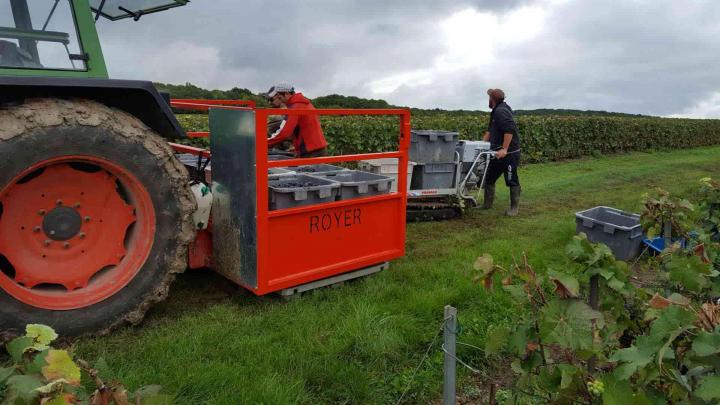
95, 210
98, 212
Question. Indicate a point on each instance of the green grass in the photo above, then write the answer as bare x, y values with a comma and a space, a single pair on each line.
360, 343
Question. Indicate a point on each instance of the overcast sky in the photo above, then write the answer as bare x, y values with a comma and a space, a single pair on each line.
659, 57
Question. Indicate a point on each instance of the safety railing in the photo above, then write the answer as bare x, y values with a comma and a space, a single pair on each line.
335, 246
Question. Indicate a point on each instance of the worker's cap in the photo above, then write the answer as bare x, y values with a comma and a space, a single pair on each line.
279, 88
496, 94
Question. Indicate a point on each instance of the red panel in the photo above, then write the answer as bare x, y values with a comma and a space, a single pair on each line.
305, 244
200, 250
323, 242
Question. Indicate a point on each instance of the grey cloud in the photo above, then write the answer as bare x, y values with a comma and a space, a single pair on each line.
652, 57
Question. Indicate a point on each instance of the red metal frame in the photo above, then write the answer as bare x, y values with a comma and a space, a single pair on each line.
190, 149
205, 105
350, 235
307, 257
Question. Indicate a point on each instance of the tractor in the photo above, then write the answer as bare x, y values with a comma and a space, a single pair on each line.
97, 213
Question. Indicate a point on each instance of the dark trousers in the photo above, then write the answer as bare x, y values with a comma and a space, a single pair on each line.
507, 167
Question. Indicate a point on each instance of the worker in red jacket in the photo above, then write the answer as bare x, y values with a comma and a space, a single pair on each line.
304, 130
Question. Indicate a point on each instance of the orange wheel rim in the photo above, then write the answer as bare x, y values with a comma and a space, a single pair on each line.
73, 232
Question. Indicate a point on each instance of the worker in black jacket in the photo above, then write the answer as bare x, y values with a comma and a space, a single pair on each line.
503, 136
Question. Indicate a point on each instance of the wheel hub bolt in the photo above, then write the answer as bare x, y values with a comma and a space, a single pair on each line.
36, 229
87, 219
77, 205
58, 202
82, 235
66, 245
41, 212
47, 242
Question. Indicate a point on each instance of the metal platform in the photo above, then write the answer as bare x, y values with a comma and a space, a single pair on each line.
332, 281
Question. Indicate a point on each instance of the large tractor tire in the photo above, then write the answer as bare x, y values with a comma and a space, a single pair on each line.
95, 217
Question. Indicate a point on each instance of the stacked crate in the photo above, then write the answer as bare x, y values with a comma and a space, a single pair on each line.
434, 154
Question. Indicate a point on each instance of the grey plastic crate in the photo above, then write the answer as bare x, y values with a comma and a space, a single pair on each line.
433, 176
279, 171
432, 146
356, 184
299, 190
620, 231
317, 169
387, 166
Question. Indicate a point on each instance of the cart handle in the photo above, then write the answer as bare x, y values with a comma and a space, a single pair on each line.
491, 155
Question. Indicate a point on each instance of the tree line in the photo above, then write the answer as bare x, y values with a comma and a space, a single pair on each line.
189, 90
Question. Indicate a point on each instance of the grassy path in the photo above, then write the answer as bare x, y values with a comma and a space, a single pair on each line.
213, 343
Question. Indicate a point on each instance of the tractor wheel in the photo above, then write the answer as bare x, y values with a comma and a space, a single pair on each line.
95, 217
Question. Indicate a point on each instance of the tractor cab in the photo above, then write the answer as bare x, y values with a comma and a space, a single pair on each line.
39, 34
58, 37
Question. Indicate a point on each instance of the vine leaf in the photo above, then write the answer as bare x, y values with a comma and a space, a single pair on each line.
37, 364
617, 391
663, 353
61, 365
53, 386
636, 357
707, 344
5, 373
485, 265
519, 339
579, 248
671, 320
678, 299
566, 286
690, 272
686, 205
42, 336
567, 373
709, 388
21, 389
569, 323
18, 346
616, 284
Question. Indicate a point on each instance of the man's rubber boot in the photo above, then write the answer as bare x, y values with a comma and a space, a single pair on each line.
514, 201
489, 196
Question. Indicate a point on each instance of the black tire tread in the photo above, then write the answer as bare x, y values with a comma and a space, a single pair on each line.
39, 114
